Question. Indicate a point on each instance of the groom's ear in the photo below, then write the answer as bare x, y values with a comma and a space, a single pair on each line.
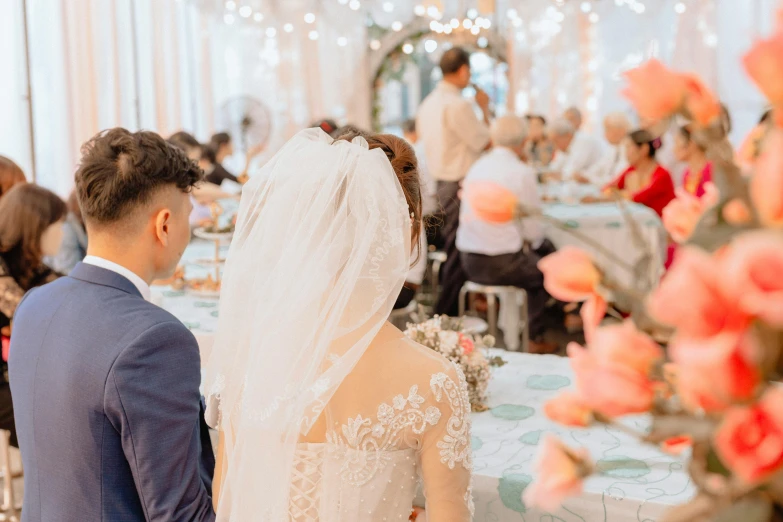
162, 225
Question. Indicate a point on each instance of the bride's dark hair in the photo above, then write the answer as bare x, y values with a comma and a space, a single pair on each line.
403, 161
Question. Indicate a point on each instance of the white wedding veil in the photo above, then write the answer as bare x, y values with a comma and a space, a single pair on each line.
320, 253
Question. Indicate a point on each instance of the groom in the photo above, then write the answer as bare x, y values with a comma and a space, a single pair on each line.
105, 384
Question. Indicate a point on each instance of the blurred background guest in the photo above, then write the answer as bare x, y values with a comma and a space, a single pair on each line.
538, 149
574, 117
453, 138
645, 181
613, 162
507, 254
699, 170
429, 189
31, 221
415, 275
216, 151
577, 152
10, 174
74, 242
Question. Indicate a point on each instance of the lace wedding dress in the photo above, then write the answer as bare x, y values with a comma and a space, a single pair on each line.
327, 413
401, 418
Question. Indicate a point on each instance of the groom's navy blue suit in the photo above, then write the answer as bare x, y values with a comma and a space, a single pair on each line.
106, 395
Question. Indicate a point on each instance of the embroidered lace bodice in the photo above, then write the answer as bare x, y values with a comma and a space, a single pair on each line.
400, 419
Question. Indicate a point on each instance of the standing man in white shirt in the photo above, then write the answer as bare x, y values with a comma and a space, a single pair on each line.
507, 254
576, 151
453, 138
613, 162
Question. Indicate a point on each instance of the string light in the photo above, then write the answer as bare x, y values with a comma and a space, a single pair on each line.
447, 29
342, 41
434, 12
229, 19
517, 22
396, 26
430, 46
482, 42
486, 23
245, 11
680, 8
467, 23
258, 17
288, 28
342, 2
594, 18
475, 30
454, 23
436, 26
586, 7
388, 7
231, 5
375, 45
472, 13
309, 18
355, 5
407, 48
313, 35
420, 10
271, 32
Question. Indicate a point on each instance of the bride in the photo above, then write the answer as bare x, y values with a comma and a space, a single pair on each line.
326, 411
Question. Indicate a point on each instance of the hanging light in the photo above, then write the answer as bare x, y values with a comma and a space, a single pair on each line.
475, 30
517, 22
447, 29
594, 18
231, 5
288, 28
407, 48
342, 41
454, 23
472, 13
342, 2
388, 7
586, 7
430, 46
375, 45
271, 32
258, 17
396, 26
309, 18
679, 8
229, 19
313, 35
355, 5
467, 23
482, 42
245, 11
420, 10
486, 23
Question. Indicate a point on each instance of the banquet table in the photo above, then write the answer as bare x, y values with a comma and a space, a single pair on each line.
636, 482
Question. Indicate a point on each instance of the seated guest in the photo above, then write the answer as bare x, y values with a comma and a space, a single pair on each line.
74, 243
574, 117
613, 162
699, 171
31, 220
538, 150
507, 254
645, 181
10, 175
577, 152
218, 149
415, 274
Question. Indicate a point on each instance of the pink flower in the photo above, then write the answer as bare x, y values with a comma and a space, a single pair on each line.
753, 272
691, 297
717, 372
467, 344
491, 202
655, 91
766, 185
569, 274
701, 103
682, 214
612, 377
568, 409
764, 64
676, 445
750, 440
559, 474
593, 312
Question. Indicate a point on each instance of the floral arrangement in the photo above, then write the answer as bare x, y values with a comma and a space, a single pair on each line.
448, 337
699, 353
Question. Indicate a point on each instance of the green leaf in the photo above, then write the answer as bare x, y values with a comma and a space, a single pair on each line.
714, 465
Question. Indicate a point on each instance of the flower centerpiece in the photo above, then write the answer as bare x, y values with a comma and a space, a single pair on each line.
448, 337
701, 352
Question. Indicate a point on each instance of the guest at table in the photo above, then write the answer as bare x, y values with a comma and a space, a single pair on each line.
699, 170
10, 175
415, 275
507, 254
613, 162
215, 152
577, 152
574, 116
539, 150
644, 181
31, 219
74, 243
453, 138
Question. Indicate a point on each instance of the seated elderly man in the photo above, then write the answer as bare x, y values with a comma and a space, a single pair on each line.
613, 162
507, 254
577, 152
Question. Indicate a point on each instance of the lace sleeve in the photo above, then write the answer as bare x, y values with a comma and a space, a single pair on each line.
446, 459
11, 294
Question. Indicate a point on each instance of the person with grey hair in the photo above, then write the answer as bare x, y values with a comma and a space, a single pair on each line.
576, 151
574, 116
507, 254
613, 162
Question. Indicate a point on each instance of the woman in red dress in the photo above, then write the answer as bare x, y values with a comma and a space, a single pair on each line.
645, 181
699, 171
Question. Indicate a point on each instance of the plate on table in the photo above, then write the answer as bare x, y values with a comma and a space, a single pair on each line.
204, 233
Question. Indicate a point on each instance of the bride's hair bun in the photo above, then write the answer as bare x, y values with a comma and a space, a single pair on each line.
403, 161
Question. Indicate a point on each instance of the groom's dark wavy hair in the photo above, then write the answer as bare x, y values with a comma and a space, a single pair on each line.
403, 160
122, 170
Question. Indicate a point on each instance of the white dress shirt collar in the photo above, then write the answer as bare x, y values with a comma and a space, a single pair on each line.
138, 282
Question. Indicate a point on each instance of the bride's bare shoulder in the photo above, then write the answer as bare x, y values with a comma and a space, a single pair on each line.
398, 353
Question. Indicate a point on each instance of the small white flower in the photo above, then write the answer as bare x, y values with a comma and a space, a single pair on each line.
399, 402
385, 413
378, 431
432, 416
